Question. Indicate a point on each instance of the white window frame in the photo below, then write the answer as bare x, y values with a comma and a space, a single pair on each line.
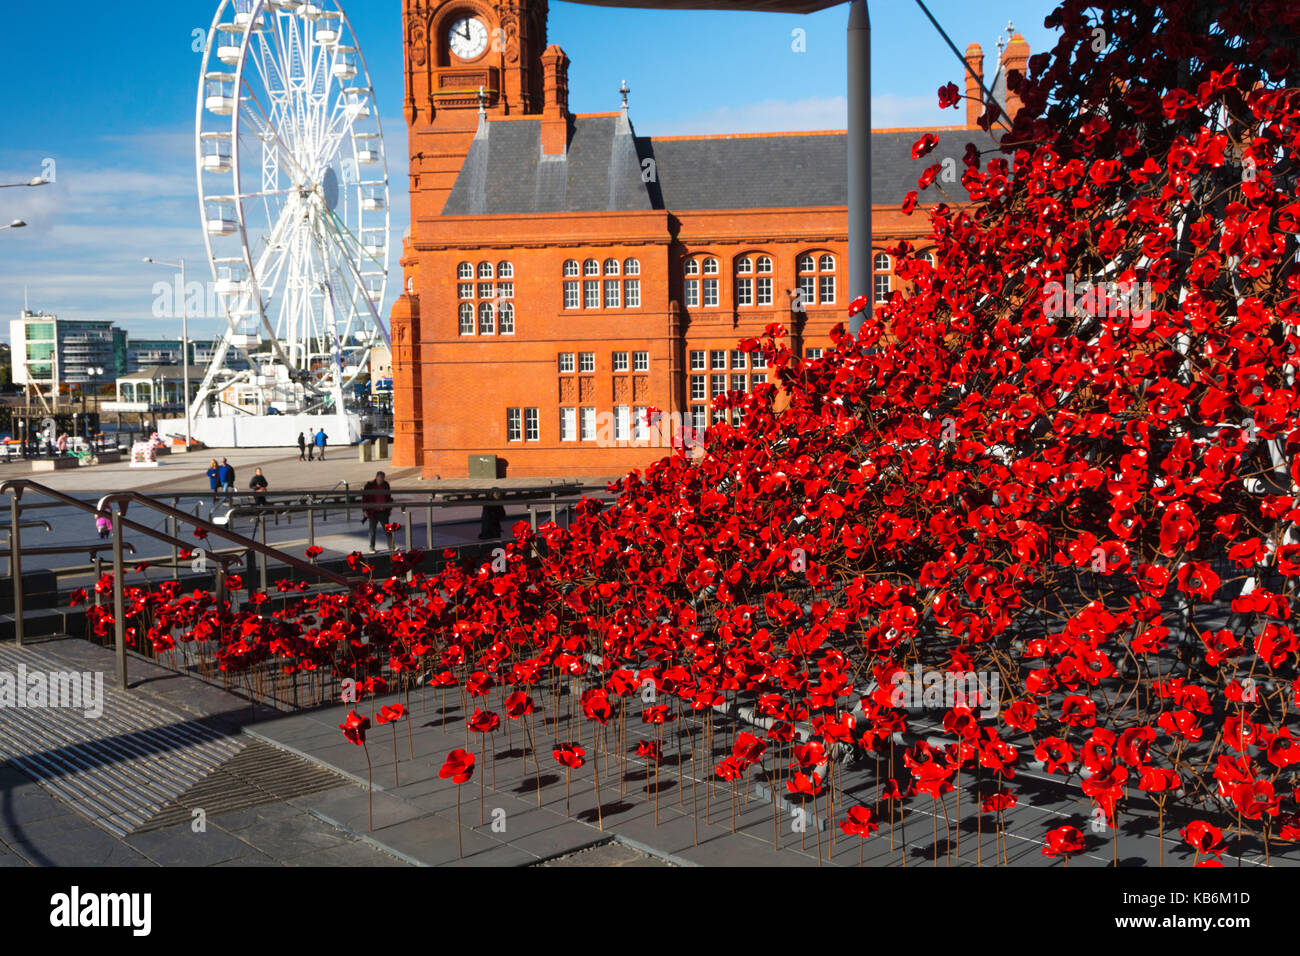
620, 362
514, 424
532, 425
572, 295
586, 362
640, 361
631, 293
568, 424
587, 423
566, 363
467, 312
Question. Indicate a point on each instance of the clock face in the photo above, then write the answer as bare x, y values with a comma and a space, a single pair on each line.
468, 38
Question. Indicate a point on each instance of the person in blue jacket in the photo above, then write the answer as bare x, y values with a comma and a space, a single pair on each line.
320, 443
214, 478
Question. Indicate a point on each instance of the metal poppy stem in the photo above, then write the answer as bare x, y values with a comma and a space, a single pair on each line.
396, 782
533, 748
370, 784
595, 746
659, 756
460, 845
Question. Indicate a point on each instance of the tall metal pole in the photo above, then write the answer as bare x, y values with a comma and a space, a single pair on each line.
185, 354
859, 96
16, 564
119, 619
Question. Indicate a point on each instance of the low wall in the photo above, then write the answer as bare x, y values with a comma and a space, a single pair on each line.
266, 431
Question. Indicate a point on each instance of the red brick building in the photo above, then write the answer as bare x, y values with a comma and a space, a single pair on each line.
563, 273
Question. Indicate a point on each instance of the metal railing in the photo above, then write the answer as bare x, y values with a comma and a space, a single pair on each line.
115, 505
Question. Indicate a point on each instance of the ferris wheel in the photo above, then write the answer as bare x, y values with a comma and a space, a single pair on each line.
293, 187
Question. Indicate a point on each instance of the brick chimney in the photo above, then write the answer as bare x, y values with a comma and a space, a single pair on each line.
974, 96
555, 108
1015, 57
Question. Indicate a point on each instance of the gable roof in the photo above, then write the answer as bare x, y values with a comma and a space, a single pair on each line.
607, 167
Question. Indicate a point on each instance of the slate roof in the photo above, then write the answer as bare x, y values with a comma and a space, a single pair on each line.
505, 172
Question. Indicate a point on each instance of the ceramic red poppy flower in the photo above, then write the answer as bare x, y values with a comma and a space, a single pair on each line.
314, 551
1064, 841
354, 727
518, 705
658, 714
459, 766
483, 721
388, 713
810, 784
569, 755
595, 705
1204, 837
649, 750
999, 802
860, 822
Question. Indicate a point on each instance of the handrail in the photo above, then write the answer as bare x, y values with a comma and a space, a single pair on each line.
121, 500
125, 498
15, 487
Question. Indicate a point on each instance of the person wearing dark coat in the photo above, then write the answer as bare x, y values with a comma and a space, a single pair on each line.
302, 447
374, 500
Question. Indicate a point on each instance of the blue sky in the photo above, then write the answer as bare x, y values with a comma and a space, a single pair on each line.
106, 103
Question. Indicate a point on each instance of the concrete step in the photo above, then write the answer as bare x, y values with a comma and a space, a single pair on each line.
117, 762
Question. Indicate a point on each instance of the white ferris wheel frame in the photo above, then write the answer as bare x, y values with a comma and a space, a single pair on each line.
317, 281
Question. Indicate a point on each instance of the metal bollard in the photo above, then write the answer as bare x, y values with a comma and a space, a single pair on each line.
16, 565
119, 613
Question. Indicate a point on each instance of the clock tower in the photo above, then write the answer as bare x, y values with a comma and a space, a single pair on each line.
463, 55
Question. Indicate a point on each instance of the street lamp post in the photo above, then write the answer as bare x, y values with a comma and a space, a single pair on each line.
185, 343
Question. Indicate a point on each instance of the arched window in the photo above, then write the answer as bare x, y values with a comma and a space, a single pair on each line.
505, 270
485, 324
882, 281
691, 267
764, 264
591, 268
506, 319
744, 282
631, 267
465, 270
611, 267
710, 266
485, 270
817, 279
410, 283
570, 267
929, 257
467, 318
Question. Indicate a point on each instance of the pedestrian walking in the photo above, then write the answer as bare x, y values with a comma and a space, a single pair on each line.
257, 484
227, 475
321, 438
373, 501
493, 515
311, 446
302, 447
214, 478
104, 525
